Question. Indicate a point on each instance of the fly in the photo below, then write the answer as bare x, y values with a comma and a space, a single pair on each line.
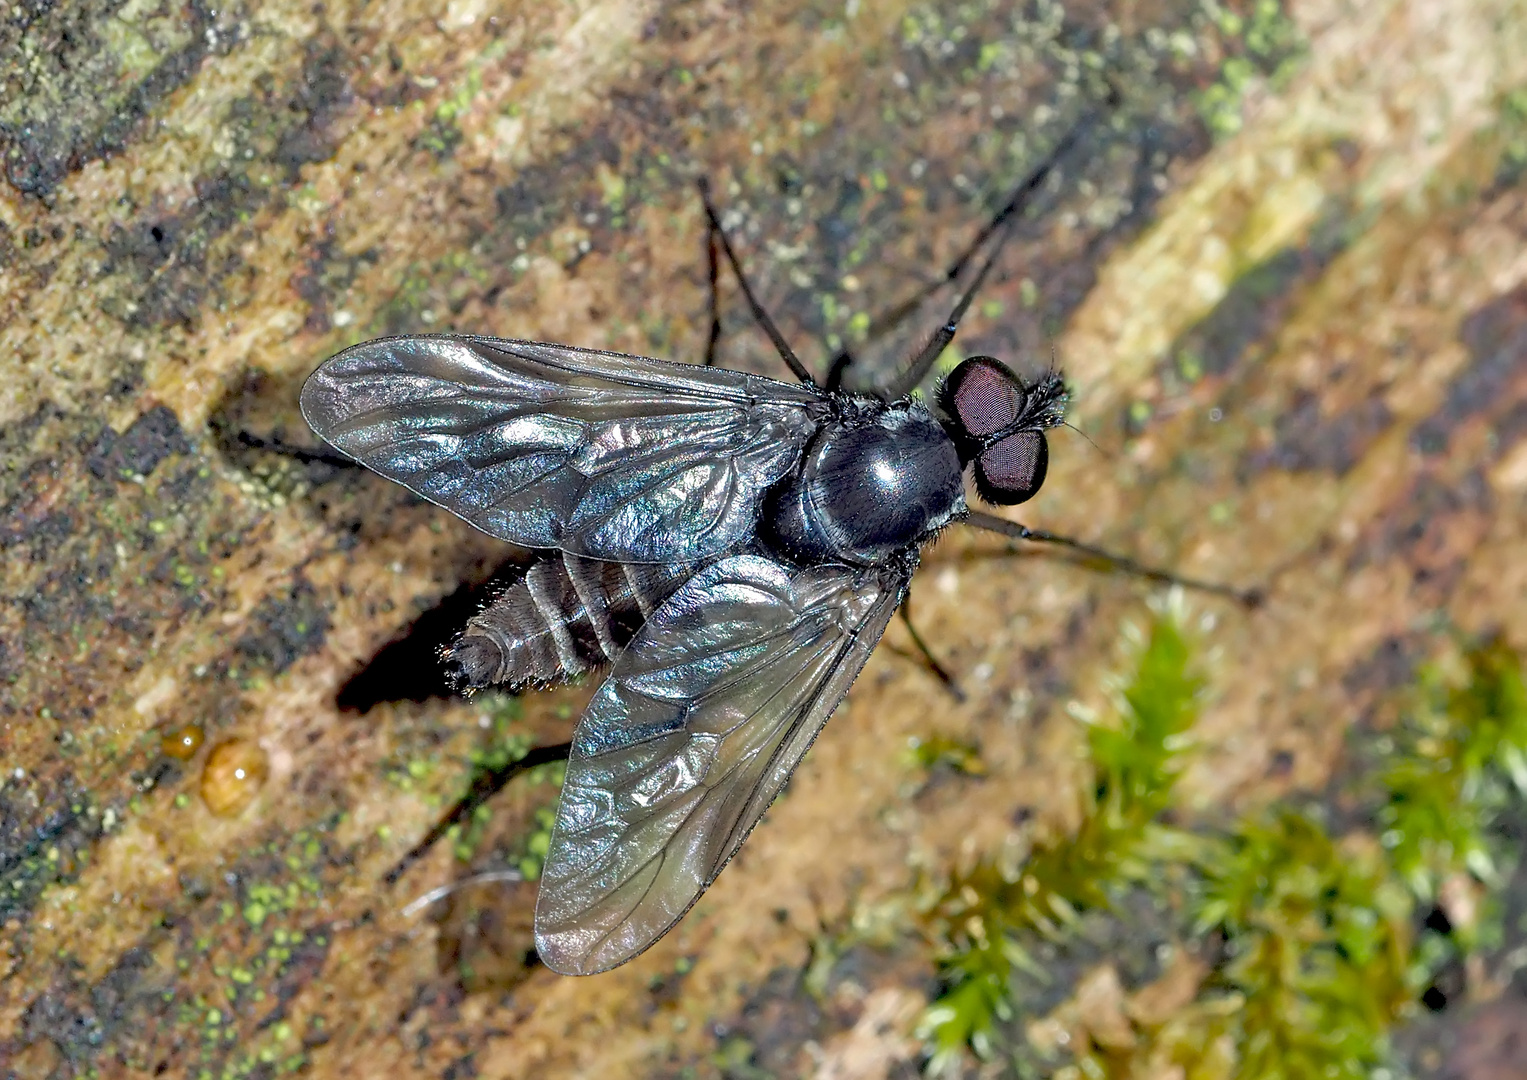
731, 546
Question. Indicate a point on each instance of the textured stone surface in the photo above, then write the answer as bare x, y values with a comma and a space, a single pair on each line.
1301, 348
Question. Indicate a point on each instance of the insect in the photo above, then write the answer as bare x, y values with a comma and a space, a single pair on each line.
732, 546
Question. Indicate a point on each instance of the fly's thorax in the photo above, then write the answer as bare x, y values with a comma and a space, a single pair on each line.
867, 487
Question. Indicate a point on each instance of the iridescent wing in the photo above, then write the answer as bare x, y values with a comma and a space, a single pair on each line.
684, 747
601, 454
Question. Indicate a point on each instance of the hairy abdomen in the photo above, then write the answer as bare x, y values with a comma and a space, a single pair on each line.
567, 615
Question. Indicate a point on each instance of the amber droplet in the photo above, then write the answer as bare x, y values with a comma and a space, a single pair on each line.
183, 742
234, 773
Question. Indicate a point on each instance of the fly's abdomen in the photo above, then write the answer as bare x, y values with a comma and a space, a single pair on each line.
566, 616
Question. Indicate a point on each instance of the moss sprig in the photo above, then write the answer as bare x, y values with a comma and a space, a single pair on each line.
984, 915
1317, 938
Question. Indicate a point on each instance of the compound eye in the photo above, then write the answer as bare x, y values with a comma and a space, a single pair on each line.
983, 395
1012, 470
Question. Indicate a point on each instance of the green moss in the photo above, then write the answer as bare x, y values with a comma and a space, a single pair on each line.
987, 918
1322, 945
1319, 940
1461, 758
938, 751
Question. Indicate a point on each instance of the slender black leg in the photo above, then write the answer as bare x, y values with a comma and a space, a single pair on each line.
934, 666
835, 372
484, 786
713, 258
1000, 225
759, 314
301, 454
1247, 598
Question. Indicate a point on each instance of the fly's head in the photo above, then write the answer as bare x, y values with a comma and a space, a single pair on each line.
998, 422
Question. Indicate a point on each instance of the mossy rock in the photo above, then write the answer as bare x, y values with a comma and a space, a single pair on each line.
1297, 345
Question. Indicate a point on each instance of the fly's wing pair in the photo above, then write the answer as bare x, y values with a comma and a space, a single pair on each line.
604, 455
712, 705
705, 716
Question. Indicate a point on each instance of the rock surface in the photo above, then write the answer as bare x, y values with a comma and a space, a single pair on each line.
1287, 274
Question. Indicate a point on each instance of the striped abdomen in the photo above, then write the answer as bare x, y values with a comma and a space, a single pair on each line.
567, 615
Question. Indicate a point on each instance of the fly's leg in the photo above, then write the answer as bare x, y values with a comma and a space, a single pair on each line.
1247, 598
761, 316
303, 455
713, 262
836, 370
1001, 225
891, 318
938, 669
485, 785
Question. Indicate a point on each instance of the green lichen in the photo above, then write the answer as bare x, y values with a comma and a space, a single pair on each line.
271, 931
439, 138
1264, 44
536, 843
503, 746
499, 713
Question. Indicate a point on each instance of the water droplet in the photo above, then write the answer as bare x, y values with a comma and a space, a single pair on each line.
183, 742
234, 773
